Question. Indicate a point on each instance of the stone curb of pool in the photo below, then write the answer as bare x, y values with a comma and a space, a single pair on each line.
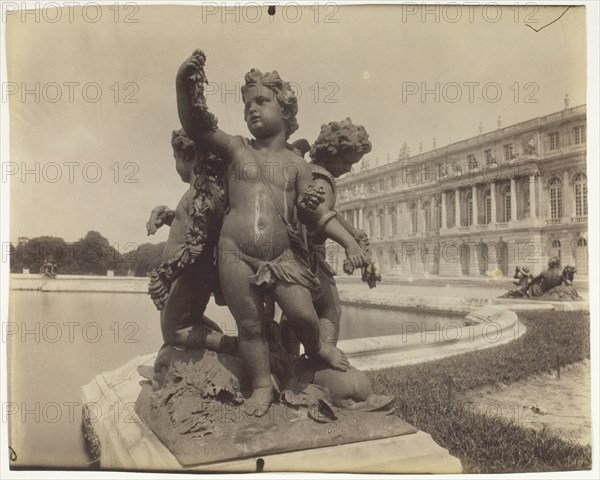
475, 325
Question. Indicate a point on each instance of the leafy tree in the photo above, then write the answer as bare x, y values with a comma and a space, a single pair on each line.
90, 255
31, 254
147, 257
15, 259
94, 255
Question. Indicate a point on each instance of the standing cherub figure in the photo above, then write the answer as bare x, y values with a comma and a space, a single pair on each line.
181, 286
261, 251
339, 146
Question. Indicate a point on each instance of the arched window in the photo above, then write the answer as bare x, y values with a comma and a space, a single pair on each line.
438, 213
488, 206
380, 221
393, 225
427, 216
556, 207
581, 256
507, 205
581, 206
555, 250
469, 209
413, 218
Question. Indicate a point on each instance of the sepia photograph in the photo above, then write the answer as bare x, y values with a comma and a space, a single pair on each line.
299, 237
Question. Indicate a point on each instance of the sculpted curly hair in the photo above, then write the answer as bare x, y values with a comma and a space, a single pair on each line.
554, 262
283, 92
206, 162
182, 143
337, 138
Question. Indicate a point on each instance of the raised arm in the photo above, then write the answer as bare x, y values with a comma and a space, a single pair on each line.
196, 120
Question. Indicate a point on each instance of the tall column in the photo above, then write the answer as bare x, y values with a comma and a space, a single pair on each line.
494, 207
354, 219
420, 216
457, 208
475, 209
388, 220
400, 225
532, 196
513, 199
444, 219
434, 213
361, 218
567, 199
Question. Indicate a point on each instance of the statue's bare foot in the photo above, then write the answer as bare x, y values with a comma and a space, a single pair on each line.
259, 402
334, 357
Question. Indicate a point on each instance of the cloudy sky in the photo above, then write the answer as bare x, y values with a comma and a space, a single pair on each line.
368, 63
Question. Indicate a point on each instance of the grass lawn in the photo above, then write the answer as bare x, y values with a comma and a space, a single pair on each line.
426, 397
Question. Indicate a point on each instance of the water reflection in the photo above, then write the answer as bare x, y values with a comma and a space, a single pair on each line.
58, 341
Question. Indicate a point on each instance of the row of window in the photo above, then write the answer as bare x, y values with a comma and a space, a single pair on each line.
579, 137
509, 153
580, 254
556, 197
506, 204
433, 216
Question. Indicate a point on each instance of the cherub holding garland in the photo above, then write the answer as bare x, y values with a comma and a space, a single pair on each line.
181, 286
260, 250
338, 147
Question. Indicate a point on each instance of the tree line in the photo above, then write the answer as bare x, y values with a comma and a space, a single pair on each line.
90, 255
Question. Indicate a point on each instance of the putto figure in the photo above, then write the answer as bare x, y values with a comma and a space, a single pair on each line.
181, 286
339, 146
261, 252
522, 279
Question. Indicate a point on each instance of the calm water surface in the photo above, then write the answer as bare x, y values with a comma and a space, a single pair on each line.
58, 341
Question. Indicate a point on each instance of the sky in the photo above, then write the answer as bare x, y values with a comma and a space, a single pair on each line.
102, 159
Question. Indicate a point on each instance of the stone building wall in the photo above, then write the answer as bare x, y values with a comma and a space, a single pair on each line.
514, 196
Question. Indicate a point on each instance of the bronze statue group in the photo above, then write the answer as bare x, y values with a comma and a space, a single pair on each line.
251, 230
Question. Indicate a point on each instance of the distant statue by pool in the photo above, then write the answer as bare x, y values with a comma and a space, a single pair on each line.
553, 283
522, 279
49, 268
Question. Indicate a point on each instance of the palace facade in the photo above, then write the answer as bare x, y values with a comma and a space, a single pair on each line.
513, 196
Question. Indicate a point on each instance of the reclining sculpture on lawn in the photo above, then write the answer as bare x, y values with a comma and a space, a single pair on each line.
553, 283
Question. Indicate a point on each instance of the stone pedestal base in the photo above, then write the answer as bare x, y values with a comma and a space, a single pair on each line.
128, 444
